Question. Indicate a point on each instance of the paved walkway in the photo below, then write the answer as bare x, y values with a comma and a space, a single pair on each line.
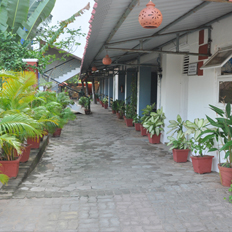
102, 176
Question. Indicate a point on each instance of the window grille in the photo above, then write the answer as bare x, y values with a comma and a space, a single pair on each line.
185, 64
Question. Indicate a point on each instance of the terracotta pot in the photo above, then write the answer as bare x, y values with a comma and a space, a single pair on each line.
106, 60
137, 126
113, 112
124, 117
103, 105
180, 155
150, 17
225, 175
202, 164
129, 122
106, 106
10, 168
87, 112
97, 99
143, 130
57, 132
25, 153
155, 139
35, 142
119, 115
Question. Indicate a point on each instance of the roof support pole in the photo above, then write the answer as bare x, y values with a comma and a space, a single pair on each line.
207, 24
162, 52
117, 26
209, 40
177, 43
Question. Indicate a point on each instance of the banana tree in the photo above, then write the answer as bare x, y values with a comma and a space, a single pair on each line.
22, 17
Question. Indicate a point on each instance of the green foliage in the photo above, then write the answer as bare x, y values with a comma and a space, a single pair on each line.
180, 142
4, 179
121, 107
176, 126
82, 101
155, 123
222, 131
115, 106
230, 197
146, 112
136, 119
130, 111
105, 100
17, 16
87, 103
64, 99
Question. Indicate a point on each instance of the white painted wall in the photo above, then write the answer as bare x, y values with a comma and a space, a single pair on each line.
190, 96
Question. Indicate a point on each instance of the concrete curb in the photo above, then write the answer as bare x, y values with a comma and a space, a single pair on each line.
6, 191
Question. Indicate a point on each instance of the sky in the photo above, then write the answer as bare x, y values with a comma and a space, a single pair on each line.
64, 9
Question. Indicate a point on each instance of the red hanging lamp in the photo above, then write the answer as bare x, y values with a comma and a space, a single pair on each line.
94, 68
106, 60
150, 17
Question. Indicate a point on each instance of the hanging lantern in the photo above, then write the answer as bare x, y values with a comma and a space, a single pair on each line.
150, 17
94, 68
106, 60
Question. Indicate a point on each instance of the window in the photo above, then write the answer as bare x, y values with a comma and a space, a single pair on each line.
219, 59
185, 64
225, 89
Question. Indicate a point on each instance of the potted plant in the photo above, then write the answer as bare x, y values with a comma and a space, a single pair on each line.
97, 97
114, 107
130, 113
201, 163
82, 101
87, 106
146, 115
121, 109
180, 145
222, 133
155, 125
105, 102
137, 122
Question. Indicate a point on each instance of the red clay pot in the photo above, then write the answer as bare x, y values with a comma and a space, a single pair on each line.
124, 117
137, 126
34, 142
25, 153
119, 115
87, 112
143, 130
155, 139
97, 99
180, 155
106, 106
129, 122
113, 112
57, 132
202, 164
225, 175
103, 105
10, 168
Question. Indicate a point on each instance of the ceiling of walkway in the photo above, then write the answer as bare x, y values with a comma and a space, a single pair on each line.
115, 21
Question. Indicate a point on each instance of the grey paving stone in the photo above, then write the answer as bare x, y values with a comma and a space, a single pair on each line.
102, 176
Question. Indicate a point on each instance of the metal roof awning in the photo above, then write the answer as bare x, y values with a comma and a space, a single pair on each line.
114, 28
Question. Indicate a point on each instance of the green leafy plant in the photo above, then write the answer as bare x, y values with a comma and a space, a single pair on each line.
155, 123
87, 104
130, 111
121, 107
146, 113
137, 119
105, 100
222, 132
199, 145
180, 142
82, 101
115, 106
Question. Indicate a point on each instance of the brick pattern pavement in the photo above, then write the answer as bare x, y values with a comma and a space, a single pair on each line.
102, 176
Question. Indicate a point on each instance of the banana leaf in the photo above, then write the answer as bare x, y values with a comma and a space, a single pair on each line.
17, 13
38, 16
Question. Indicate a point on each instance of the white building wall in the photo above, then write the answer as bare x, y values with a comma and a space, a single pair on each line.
190, 96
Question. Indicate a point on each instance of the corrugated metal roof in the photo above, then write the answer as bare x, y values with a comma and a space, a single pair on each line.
108, 12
